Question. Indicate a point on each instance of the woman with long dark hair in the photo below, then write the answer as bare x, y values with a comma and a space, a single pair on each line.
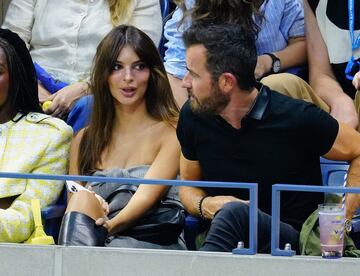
131, 134
62, 37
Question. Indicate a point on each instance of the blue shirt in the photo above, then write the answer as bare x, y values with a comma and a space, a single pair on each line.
282, 20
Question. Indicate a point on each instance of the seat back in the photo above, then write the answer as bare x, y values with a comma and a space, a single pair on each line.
165, 9
52, 215
333, 173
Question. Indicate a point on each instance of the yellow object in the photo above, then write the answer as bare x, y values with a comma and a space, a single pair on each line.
46, 105
38, 236
39, 144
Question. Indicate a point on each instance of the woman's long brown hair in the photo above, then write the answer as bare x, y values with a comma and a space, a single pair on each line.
160, 103
224, 11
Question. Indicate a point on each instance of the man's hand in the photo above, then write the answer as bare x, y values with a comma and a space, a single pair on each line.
356, 81
263, 66
211, 205
63, 100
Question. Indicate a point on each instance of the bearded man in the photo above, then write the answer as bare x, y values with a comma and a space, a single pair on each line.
235, 129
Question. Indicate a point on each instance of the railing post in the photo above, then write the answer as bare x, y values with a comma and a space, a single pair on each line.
275, 211
253, 224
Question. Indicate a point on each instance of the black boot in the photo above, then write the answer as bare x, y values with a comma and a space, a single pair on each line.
80, 229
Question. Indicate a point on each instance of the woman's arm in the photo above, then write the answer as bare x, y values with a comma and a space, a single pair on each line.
165, 166
16, 222
174, 59
74, 153
20, 18
64, 99
147, 17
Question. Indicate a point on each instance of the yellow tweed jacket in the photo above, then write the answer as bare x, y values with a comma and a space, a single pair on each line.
35, 143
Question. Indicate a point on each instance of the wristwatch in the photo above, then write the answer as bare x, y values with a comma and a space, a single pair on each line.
347, 226
276, 64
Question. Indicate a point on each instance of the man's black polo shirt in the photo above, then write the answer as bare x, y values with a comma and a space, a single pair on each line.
280, 141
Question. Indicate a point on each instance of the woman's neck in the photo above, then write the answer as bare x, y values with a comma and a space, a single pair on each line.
131, 117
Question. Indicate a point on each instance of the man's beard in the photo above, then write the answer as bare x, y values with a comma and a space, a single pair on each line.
212, 104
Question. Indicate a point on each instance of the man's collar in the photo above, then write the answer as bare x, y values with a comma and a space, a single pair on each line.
260, 104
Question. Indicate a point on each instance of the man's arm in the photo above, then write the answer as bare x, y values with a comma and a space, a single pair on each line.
347, 147
191, 196
321, 76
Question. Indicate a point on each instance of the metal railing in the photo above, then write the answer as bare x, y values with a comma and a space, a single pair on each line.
275, 211
252, 187
253, 199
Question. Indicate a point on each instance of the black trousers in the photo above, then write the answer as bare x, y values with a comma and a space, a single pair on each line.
231, 225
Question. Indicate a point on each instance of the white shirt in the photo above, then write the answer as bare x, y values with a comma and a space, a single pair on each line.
62, 36
337, 40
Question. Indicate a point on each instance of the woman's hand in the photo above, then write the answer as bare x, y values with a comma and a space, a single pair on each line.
263, 66
356, 81
109, 225
64, 99
43, 94
103, 222
104, 205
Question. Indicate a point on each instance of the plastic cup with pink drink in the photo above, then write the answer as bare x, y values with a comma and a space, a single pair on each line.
331, 220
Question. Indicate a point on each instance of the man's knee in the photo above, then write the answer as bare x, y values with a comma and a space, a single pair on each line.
234, 209
294, 87
285, 83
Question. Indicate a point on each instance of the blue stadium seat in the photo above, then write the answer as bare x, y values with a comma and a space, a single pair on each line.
328, 161
52, 215
333, 173
191, 230
300, 71
165, 9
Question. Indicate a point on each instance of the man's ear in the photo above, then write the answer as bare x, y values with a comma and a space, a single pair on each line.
227, 82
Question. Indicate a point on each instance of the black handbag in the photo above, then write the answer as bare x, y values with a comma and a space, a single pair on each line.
162, 225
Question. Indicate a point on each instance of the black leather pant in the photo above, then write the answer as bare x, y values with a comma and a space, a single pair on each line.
80, 229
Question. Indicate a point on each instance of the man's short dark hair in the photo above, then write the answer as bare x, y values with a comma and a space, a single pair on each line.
230, 48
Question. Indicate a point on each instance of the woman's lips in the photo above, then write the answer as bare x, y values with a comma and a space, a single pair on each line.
128, 92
